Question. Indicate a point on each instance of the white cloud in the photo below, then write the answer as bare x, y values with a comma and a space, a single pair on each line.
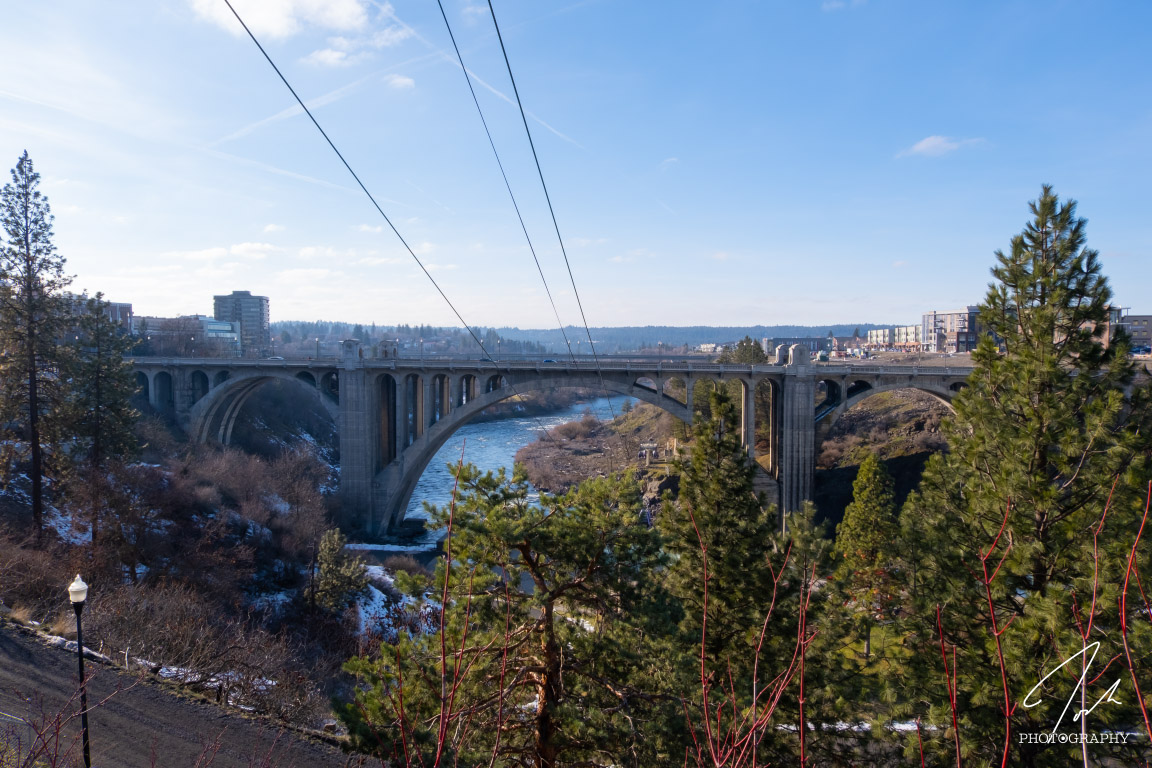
328, 58
439, 267
420, 249
376, 261
389, 36
304, 276
934, 146
273, 228
898, 264
252, 250
472, 13
370, 228
399, 82
344, 51
205, 254
720, 256
293, 111
283, 18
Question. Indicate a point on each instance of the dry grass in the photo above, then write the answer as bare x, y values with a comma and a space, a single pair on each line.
408, 564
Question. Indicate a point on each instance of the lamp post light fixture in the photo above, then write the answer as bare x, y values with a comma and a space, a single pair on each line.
78, 593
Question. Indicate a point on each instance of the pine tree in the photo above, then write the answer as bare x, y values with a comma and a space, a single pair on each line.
717, 499
99, 416
866, 543
564, 661
341, 578
101, 388
1039, 435
757, 577
32, 320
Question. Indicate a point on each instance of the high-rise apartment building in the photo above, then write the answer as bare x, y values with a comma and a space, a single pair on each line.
953, 331
251, 312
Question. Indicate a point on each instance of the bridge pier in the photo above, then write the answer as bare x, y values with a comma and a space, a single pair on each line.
748, 418
359, 438
797, 431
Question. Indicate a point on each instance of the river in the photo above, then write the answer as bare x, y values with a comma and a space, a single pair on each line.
491, 445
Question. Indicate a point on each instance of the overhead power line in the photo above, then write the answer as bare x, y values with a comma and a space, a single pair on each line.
507, 184
551, 210
363, 188
376, 205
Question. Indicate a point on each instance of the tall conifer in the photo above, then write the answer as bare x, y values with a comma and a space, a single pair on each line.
866, 545
32, 320
1039, 435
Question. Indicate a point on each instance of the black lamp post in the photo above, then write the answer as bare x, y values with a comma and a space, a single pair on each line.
78, 593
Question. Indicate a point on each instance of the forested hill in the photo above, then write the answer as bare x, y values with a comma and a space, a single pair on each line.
649, 336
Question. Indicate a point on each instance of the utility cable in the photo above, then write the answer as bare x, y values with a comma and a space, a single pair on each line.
548, 198
357, 178
507, 184
380, 210
551, 210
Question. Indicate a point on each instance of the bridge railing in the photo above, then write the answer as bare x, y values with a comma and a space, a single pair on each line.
640, 367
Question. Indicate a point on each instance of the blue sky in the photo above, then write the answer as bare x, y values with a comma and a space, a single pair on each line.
721, 163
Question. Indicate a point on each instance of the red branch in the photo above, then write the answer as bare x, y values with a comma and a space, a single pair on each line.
1124, 612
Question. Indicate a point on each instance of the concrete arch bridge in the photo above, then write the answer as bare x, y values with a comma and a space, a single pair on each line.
393, 413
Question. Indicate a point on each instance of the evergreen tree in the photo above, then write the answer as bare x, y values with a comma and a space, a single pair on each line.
101, 386
563, 661
100, 417
341, 578
717, 499
747, 350
1040, 434
32, 320
866, 545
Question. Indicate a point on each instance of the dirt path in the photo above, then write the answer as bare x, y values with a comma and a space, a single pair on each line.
142, 725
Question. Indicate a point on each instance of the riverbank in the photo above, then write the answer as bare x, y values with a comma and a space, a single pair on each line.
539, 403
569, 453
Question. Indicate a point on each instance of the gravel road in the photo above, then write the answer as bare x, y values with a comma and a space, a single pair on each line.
142, 725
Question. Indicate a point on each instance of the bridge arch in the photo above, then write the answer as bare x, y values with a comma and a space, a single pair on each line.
198, 382
828, 419
143, 385
213, 416
163, 393
396, 482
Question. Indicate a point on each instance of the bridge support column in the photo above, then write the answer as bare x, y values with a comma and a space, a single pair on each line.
748, 418
688, 385
797, 431
359, 441
427, 402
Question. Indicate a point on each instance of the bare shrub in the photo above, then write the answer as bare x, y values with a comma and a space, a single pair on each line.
32, 579
408, 564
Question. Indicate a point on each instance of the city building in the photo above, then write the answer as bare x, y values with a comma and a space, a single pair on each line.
187, 336
1140, 329
881, 338
907, 337
117, 311
952, 331
251, 312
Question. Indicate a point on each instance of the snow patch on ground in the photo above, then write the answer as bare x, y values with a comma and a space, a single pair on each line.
70, 645
355, 545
